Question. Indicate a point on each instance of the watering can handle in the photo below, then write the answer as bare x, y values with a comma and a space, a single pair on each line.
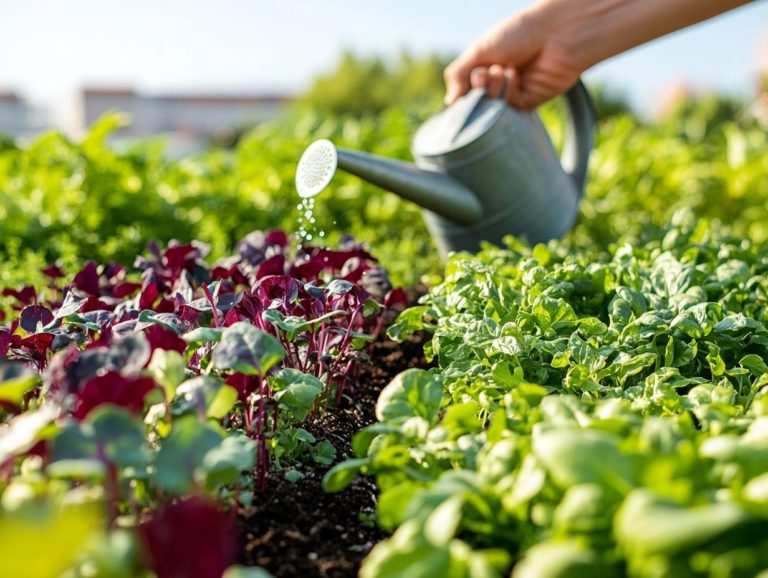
579, 135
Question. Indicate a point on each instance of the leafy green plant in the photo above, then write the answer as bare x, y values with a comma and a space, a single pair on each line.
590, 415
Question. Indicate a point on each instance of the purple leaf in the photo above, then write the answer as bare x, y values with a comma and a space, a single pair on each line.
39, 342
192, 538
52, 272
161, 338
34, 316
115, 389
273, 266
87, 279
27, 295
277, 237
180, 256
148, 296
281, 288
125, 288
5, 342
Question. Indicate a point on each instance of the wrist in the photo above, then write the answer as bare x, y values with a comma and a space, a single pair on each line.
571, 27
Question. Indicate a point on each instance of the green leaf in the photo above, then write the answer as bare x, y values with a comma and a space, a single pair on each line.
564, 559
243, 572
149, 316
371, 306
755, 364
182, 453
296, 391
393, 504
223, 463
24, 431
246, 349
109, 431
414, 392
342, 474
738, 323
339, 287
292, 325
83, 469
648, 525
462, 418
64, 530
210, 393
167, 368
16, 379
443, 522
409, 322
293, 475
121, 434
581, 456
204, 335
324, 453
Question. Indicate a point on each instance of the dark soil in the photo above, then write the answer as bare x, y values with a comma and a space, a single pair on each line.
299, 531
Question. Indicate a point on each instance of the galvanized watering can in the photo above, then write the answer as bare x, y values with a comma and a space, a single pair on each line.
483, 170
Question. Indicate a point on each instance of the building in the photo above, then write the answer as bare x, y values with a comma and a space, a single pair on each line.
196, 116
14, 114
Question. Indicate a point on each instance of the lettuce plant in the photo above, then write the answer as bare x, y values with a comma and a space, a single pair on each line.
590, 415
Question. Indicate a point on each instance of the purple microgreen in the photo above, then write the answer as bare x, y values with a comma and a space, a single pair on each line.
34, 317
87, 279
193, 538
113, 389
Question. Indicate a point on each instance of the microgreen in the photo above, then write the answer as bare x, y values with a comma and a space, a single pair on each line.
167, 389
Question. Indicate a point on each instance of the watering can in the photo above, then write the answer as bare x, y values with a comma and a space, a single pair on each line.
483, 170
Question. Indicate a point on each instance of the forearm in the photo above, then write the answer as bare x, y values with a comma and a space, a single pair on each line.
598, 29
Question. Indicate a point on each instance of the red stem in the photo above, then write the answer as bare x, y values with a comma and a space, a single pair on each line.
208, 296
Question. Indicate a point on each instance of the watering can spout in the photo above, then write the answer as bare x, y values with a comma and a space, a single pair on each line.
429, 189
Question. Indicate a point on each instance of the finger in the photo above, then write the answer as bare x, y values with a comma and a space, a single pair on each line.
539, 86
457, 74
496, 81
512, 95
479, 77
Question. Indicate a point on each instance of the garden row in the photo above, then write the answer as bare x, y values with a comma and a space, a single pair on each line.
601, 416
86, 200
140, 412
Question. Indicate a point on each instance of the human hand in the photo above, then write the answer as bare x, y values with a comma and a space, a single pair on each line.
527, 56
540, 52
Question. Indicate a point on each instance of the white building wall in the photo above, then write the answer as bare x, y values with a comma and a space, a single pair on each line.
14, 117
196, 116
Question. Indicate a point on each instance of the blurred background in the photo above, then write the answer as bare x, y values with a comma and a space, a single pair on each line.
126, 122
196, 69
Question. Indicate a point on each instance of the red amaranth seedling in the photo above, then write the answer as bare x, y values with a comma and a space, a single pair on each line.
296, 330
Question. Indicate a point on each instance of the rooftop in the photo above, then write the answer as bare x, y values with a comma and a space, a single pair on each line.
190, 97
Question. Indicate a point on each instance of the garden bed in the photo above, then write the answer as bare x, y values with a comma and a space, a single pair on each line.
297, 529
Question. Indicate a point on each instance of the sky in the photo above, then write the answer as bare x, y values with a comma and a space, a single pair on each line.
48, 48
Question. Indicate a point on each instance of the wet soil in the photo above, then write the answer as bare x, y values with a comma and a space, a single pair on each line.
298, 531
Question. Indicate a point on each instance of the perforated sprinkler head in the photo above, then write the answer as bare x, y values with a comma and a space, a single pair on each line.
316, 168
